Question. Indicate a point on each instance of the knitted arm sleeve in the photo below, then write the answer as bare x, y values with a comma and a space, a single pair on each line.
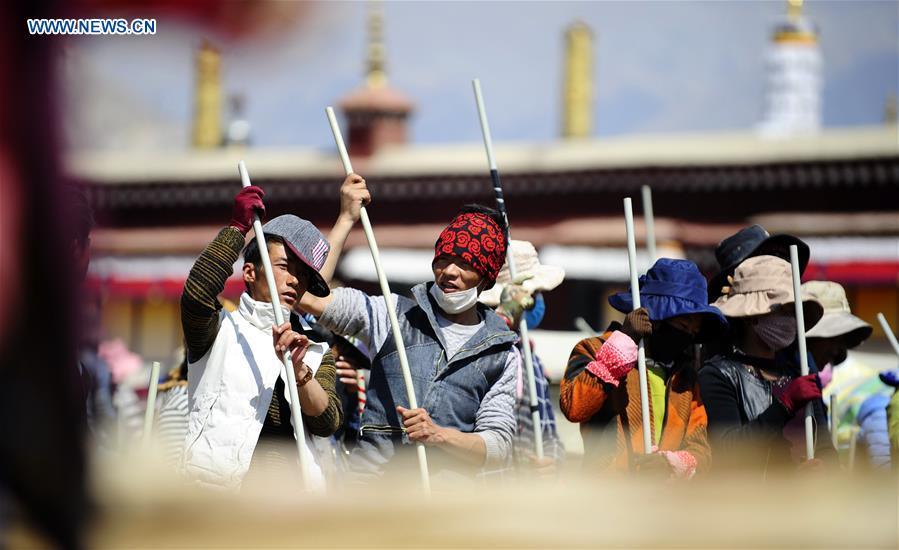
325, 424
614, 359
199, 303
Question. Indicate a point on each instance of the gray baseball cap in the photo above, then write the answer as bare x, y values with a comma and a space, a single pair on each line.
307, 243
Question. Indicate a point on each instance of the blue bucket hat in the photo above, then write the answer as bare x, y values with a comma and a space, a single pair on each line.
671, 288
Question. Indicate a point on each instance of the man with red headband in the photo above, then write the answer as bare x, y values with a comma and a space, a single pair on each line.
462, 356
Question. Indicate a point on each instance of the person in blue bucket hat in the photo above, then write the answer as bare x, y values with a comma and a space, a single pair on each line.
601, 388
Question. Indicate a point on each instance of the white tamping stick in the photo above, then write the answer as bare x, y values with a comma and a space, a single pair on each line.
834, 421
635, 296
388, 299
803, 357
888, 331
293, 393
646, 191
510, 261
152, 388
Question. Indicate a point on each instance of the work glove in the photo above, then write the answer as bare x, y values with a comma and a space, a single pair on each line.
800, 392
637, 324
514, 300
246, 203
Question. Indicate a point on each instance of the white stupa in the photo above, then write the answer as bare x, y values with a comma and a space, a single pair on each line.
793, 95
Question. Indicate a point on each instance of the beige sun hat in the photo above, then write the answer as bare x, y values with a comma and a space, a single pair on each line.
527, 262
762, 285
838, 320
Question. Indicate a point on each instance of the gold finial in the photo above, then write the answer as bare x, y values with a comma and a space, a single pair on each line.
577, 100
207, 131
376, 76
794, 10
797, 31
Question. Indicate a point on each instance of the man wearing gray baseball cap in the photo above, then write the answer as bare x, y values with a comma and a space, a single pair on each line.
238, 419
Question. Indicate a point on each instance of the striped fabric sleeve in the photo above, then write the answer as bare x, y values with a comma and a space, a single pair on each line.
325, 424
199, 301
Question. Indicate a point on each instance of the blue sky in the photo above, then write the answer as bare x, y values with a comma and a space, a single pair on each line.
661, 67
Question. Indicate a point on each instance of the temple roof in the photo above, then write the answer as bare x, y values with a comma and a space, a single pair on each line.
423, 160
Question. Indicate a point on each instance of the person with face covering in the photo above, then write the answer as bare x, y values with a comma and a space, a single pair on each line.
839, 330
601, 386
754, 401
461, 355
829, 342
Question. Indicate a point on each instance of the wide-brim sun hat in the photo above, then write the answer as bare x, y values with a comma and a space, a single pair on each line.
763, 285
671, 288
838, 320
527, 262
748, 242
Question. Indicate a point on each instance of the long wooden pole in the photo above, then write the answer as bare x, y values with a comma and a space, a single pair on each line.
510, 261
293, 393
649, 221
635, 296
888, 331
834, 421
803, 356
151, 403
388, 299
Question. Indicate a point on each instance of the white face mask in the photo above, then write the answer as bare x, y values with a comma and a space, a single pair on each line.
455, 302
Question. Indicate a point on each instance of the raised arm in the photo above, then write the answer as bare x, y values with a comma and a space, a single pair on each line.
353, 195
199, 301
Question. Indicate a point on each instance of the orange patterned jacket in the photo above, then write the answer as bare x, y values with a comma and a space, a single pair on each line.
610, 416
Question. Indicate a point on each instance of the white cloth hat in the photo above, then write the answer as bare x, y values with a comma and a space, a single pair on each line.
838, 320
527, 262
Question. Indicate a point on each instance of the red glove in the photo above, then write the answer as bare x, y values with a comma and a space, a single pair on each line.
800, 392
246, 203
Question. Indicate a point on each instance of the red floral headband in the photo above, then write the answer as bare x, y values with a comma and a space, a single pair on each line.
477, 239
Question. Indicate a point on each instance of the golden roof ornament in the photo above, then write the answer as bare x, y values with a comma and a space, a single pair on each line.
796, 30
376, 74
794, 10
207, 123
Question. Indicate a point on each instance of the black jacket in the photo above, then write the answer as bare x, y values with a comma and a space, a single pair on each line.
746, 422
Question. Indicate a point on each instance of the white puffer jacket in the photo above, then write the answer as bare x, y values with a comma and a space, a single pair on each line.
229, 391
